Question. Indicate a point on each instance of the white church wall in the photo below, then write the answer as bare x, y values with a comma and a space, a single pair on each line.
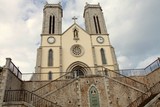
84, 41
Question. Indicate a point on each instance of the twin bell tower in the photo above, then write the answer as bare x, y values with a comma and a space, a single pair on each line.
75, 51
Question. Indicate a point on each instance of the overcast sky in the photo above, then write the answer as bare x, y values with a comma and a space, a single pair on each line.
133, 25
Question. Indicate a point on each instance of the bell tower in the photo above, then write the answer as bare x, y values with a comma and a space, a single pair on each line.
94, 19
68, 51
49, 52
103, 51
52, 19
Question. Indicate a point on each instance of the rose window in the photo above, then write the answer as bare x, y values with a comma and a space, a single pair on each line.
77, 50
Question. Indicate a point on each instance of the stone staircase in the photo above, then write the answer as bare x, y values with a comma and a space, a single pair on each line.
49, 89
52, 86
17, 96
146, 97
58, 88
147, 100
125, 80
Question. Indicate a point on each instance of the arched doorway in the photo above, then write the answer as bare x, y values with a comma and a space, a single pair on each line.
94, 97
78, 69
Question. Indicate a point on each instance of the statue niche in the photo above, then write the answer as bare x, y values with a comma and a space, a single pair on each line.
75, 34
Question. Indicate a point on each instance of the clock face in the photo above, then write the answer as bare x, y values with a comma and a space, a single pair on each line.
100, 39
51, 40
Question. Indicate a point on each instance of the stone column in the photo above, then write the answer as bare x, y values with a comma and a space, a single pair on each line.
3, 79
8, 61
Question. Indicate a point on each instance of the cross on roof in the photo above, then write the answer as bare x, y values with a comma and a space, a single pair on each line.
74, 18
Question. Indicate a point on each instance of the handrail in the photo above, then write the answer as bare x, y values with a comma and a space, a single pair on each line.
153, 66
29, 97
67, 76
52, 81
126, 79
15, 70
156, 61
52, 92
44, 89
152, 91
141, 72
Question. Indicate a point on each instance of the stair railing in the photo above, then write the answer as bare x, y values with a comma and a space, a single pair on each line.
152, 91
45, 88
29, 97
143, 71
124, 79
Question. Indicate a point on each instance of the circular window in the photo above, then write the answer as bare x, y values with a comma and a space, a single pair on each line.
77, 50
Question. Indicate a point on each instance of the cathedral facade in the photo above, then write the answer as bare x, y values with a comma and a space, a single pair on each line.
76, 50
78, 68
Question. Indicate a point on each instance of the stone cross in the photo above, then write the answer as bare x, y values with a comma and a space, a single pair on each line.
74, 18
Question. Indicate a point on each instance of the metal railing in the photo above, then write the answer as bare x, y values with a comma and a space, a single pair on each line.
26, 96
15, 70
141, 72
124, 79
127, 72
152, 91
12, 68
45, 88
153, 66
100, 71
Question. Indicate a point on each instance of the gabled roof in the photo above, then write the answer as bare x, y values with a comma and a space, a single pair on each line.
77, 26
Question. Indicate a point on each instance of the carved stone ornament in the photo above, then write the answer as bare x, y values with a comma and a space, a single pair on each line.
75, 34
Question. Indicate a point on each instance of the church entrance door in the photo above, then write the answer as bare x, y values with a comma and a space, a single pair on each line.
94, 97
78, 71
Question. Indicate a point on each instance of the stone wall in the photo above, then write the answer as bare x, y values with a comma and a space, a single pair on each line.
141, 79
17, 104
132, 82
73, 93
155, 102
76, 93
42, 88
2, 83
33, 85
8, 81
153, 77
65, 96
100, 83
112, 92
13, 83
121, 95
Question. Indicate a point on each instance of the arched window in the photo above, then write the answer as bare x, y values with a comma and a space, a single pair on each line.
98, 25
53, 25
95, 24
50, 24
94, 97
103, 57
49, 75
50, 57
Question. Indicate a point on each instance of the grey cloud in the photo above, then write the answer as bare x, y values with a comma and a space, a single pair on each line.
133, 26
